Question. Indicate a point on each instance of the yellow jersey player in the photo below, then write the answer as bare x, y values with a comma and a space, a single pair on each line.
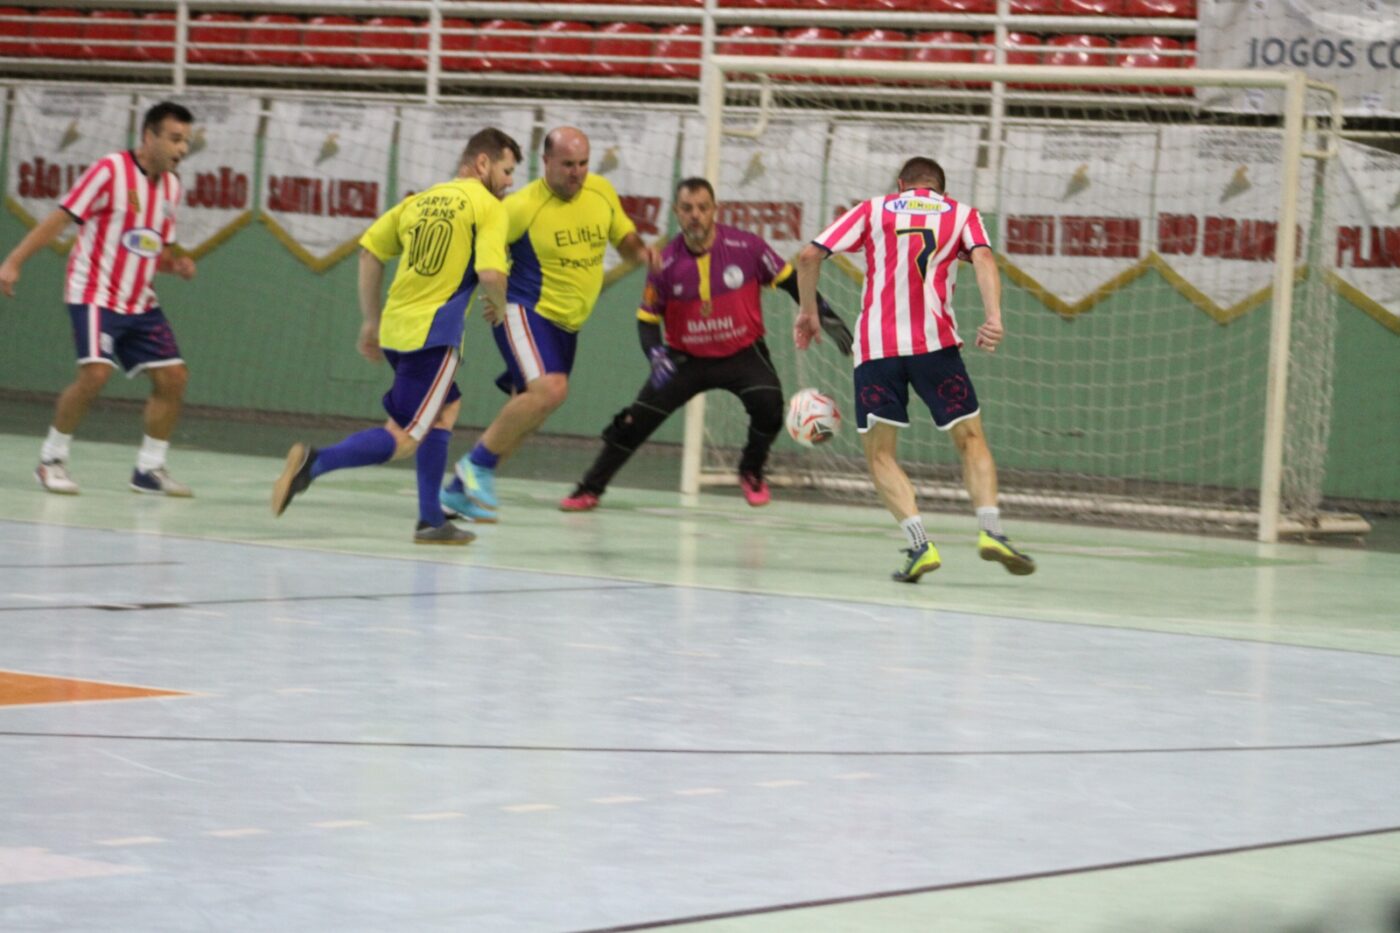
560, 228
449, 239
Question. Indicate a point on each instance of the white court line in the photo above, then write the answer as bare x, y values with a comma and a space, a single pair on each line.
1120, 685
907, 670
1233, 693
529, 807
204, 612
131, 841
289, 690
288, 620
587, 646
620, 798
695, 654
486, 637
781, 782
339, 824
236, 833
391, 630
697, 791
855, 776
137, 764
35, 597
433, 817
657, 700
799, 662
1341, 702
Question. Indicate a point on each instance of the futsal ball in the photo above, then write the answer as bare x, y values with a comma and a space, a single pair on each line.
812, 417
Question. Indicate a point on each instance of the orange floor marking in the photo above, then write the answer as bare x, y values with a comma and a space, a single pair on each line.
28, 689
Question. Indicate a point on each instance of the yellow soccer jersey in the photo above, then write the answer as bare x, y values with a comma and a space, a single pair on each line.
557, 247
445, 236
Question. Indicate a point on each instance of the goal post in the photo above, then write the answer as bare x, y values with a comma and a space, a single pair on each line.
1169, 354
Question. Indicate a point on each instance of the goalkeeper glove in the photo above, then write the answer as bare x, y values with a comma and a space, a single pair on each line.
834, 327
662, 366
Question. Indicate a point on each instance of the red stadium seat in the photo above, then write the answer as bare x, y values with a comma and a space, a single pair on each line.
11, 29
810, 42
335, 47
962, 6
396, 32
269, 31
212, 34
1180, 9
1077, 51
1014, 42
57, 34
675, 52
111, 35
561, 47
1153, 52
616, 45
456, 42
747, 40
493, 42
934, 47
875, 45
157, 36
1091, 7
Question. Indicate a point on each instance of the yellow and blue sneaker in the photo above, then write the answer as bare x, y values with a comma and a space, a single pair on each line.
920, 561
480, 482
1001, 550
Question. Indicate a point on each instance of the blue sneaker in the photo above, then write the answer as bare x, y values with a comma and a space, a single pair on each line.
480, 482
457, 505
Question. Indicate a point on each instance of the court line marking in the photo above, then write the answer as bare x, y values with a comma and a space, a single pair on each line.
339, 824
698, 791
435, 817
529, 807
986, 882
620, 798
738, 752
131, 841
239, 833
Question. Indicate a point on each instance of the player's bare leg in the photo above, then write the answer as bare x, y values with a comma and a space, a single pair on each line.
162, 412
980, 478
524, 413
70, 409
897, 493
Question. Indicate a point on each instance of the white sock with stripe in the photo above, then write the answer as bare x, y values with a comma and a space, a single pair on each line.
914, 531
989, 519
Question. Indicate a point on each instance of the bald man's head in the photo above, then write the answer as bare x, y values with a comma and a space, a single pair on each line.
565, 161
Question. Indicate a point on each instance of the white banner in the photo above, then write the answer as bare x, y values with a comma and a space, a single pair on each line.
770, 185
1076, 209
866, 157
1352, 44
55, 134
325, 174
1217, 226
217, 174
1368, 236
431, 140
634, 149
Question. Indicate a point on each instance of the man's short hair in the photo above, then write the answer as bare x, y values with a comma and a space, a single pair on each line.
157, 114
921, 170
493, 143
694, 183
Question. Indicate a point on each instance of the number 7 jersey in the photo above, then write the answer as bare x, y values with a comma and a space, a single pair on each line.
912, 243
444, 237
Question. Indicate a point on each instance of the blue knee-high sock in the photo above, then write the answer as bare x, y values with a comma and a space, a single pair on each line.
431, 461
375, 445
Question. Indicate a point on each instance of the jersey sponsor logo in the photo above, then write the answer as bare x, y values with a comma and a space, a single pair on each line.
917, 205
143, 241
733, 276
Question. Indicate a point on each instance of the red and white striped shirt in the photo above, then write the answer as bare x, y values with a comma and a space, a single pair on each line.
128, 219
912, 243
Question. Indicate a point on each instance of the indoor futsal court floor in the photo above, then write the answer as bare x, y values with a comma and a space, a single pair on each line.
652, 716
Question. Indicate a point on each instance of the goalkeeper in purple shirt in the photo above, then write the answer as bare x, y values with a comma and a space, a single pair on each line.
706, 297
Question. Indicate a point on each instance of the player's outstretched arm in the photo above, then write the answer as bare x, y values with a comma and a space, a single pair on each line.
984, 265
807, 327
176, 263
634, 249
830, 321
371, 307
45, 233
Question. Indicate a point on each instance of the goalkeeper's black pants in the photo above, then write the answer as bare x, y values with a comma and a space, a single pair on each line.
748, 374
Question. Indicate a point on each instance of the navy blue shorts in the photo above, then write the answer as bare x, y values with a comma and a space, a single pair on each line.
422, 386
132, 341
939, 378
532, 345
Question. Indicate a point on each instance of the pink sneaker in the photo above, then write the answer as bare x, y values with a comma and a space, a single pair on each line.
580, 501
755, 489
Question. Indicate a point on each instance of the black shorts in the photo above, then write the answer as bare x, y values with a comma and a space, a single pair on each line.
939, 378
748, 374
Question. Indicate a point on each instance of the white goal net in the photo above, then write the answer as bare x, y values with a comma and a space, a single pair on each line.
1169, 328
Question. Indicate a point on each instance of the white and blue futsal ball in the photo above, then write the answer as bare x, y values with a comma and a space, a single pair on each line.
812, 417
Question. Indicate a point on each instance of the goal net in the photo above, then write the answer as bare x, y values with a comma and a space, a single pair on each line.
1169, 328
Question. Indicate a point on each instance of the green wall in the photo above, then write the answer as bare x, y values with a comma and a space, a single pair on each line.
263, 332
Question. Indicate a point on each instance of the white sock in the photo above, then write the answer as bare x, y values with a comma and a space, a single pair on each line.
989, 519
55, 446
914, 530
152, 454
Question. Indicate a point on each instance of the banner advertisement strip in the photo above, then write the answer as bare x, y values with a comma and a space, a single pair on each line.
1367, 199
432, 139
55, 134
325, 176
